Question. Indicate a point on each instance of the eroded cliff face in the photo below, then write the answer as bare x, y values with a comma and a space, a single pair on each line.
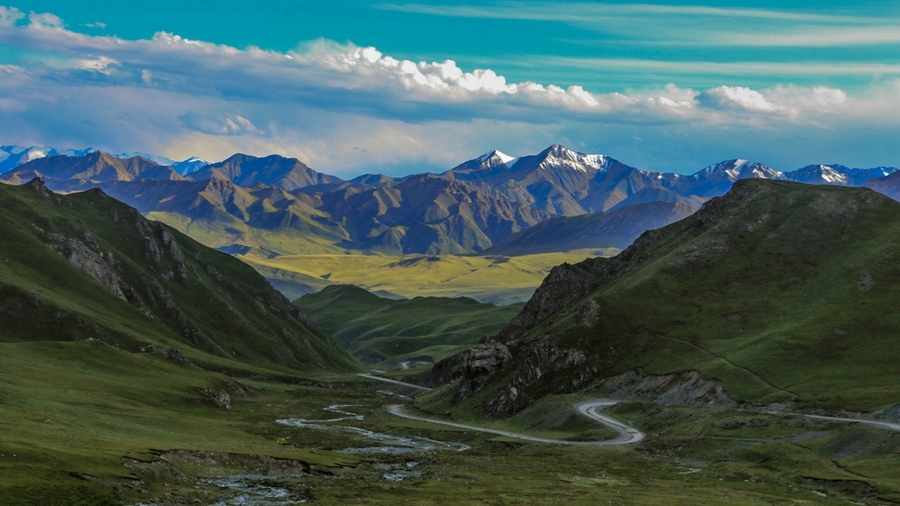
562, 369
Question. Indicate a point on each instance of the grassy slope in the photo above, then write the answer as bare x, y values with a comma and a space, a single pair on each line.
496, 279
785, 292
379, 329
218, 308
71, 407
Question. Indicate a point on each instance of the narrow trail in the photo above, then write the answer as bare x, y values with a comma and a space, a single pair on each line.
395, 382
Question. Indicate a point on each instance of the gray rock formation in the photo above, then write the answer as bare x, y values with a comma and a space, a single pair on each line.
218, 397
477, 366
94, 262
568, 369
686, 388
169, 353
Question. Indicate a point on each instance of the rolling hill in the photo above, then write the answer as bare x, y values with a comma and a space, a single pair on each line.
783, 292
391, 332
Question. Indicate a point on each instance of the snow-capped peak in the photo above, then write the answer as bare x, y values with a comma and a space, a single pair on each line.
503, 157
558, 156
13, 156
495, 158
161, 160
737, 169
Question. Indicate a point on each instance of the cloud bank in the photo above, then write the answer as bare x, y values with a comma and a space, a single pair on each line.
347, 109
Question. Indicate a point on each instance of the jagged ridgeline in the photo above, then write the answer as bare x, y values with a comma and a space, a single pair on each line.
84, 265
783, 292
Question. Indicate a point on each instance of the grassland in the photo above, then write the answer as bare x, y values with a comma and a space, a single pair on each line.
499, 280
385, 332
87, 423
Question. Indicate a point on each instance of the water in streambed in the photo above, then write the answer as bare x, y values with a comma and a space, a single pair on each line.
389, 444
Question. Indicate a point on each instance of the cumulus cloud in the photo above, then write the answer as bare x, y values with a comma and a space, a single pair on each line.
215, 124
347, 108
735, 98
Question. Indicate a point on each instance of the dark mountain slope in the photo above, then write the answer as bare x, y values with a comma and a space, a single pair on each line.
889, 185
85, 265
614, 229
428, 214
784, 292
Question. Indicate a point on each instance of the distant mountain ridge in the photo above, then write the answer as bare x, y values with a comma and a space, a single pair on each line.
275, 205
13, 156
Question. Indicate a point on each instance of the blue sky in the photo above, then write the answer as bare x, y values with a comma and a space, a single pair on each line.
360, 86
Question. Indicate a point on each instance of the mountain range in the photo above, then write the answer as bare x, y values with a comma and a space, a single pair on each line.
276, 205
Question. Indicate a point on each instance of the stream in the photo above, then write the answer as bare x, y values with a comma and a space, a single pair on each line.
388, 444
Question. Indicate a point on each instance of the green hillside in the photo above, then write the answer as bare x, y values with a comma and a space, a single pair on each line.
86, 266
387, 331
784, 292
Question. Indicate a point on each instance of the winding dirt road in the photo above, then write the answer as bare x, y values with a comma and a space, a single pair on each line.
590, 409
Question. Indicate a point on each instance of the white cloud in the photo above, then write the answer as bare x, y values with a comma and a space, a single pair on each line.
346, 109
214, 124
9, 16
687, 24
728, 97
45, 21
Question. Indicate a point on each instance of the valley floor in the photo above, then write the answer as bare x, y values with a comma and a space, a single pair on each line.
332, 440
500, 280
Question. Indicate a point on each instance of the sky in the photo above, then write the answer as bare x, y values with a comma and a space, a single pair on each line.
357, 86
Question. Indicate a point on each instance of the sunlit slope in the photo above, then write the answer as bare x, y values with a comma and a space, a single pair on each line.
784, 292
87, 266
377, 329
496, 279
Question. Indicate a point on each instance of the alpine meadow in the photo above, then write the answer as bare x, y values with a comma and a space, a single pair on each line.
439, 252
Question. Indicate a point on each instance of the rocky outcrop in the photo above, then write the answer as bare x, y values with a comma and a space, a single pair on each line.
477, 366
168, 353
563, 369
686, 388
474, 368
90, 259
218, 397
891, 414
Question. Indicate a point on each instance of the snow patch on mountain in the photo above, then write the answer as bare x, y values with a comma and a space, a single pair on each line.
733, 170
13, 156
161, 160
560, 157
